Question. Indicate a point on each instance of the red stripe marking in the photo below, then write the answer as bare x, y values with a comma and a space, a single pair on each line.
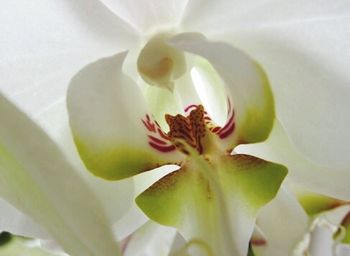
228, 123
150, 128
162, 148
161, 134
258, 242
215, 129
190, 106
152, 125
228, 131
157, 140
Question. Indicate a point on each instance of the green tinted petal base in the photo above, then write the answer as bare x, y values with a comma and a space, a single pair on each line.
247, 86
117, 162
106, 114
37, 179
199, 203
252, 130
315, 204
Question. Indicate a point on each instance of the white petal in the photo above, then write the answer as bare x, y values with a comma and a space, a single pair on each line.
211, 17
17, 223
150, 240
135, 218
129, 223
116, 197
283, 222
316, 178
211, 90
144, 15
162, 101
321, 242
247, 88
111, 125
36, 178
307, 64
343, 250
324, 234
145, 180
47, 42
53, 247
19, 246
178, 244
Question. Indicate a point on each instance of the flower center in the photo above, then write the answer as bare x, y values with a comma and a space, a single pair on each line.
160, 64
190, 129
195, 131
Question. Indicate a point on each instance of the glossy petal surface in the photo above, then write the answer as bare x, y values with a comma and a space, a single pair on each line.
321, 242
146, 15
208, 16
18, 246
190, 201
36, 178
331, 182
47, 42
247, 86
307, 63
343, 250
150, 240
117, 196
17, 223
107, 115
283, 223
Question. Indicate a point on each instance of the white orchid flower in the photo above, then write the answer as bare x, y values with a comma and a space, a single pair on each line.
118, 137
120, 133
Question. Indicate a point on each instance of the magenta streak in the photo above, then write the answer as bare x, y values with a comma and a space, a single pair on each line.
215, 129
227, 124
227, 131
162, 148
190, 106
152, 125
161, 134
156, 140
258, 242
228, 128
150, 128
